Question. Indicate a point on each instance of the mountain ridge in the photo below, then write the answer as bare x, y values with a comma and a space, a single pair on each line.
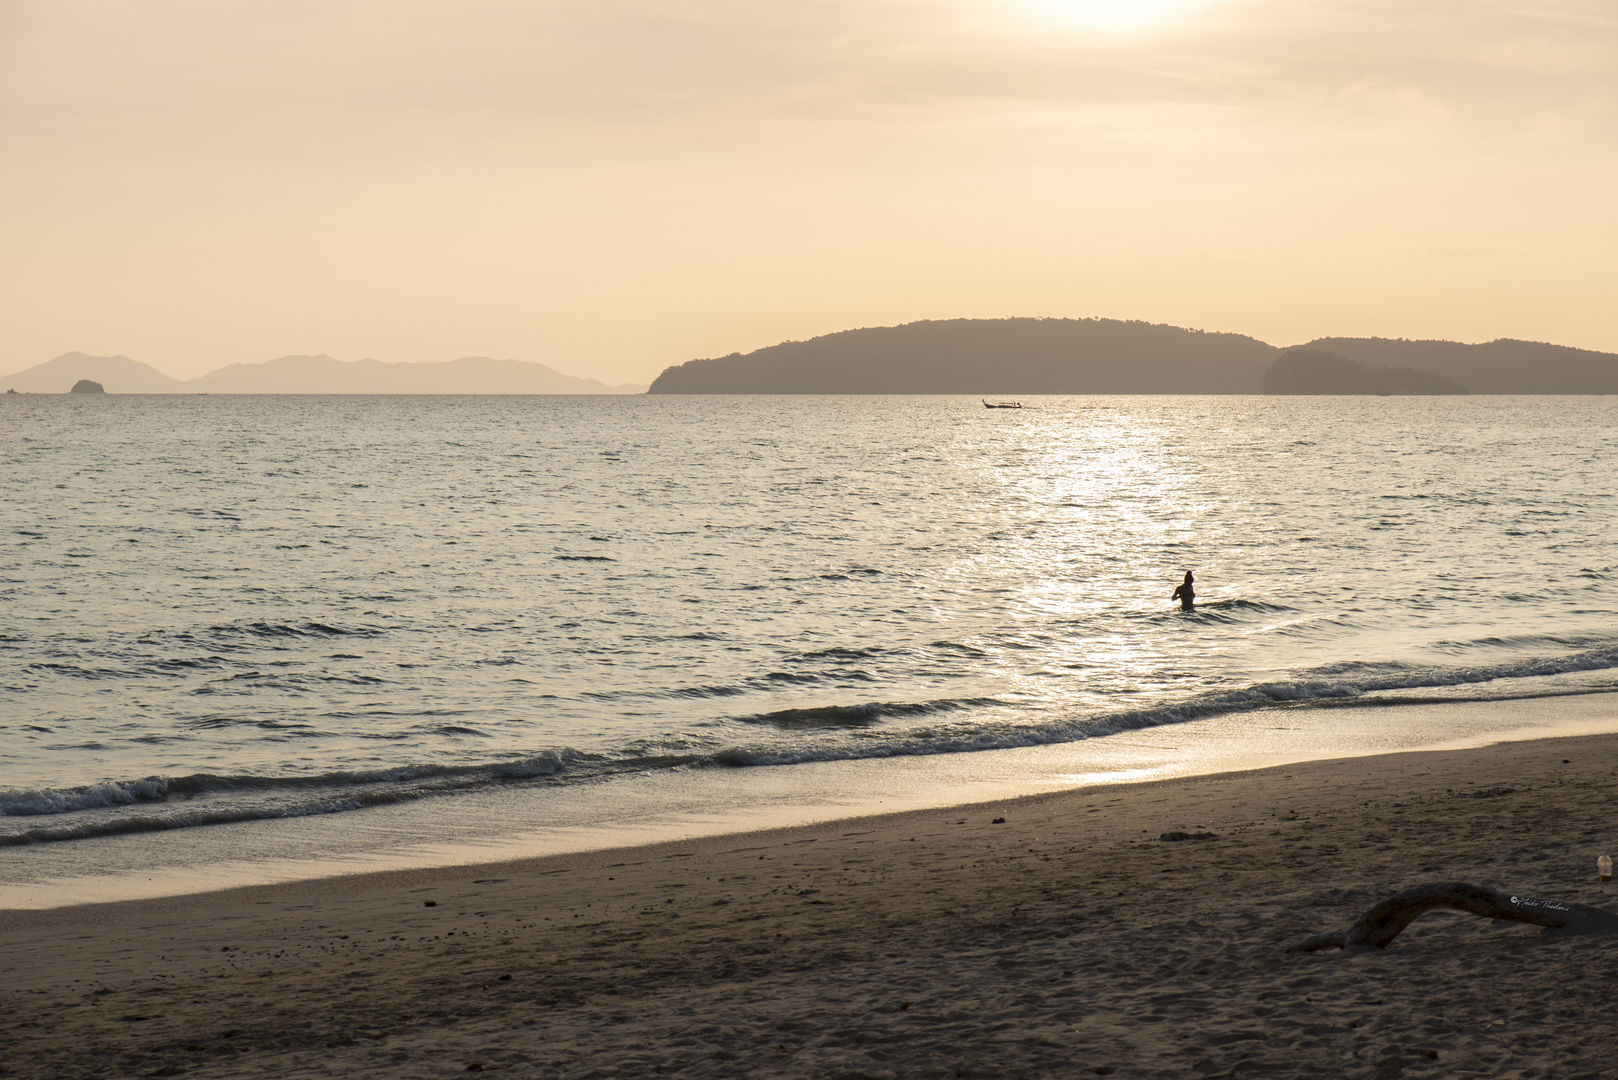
319, 374
1110, 356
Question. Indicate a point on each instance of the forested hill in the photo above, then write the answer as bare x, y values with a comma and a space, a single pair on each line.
995, 357
1495, 367
987, 356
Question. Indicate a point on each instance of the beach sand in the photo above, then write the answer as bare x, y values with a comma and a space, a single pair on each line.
1067, 940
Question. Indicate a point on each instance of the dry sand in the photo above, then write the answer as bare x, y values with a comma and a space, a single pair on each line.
1069, 940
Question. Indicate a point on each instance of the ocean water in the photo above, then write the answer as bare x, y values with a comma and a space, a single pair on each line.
228, 609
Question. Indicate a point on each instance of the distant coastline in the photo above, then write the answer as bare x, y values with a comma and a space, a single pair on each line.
309, 375
975, 357
996, 357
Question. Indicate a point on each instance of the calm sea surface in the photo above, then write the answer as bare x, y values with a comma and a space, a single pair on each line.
224, 608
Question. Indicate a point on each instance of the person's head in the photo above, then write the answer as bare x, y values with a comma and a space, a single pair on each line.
1188, 577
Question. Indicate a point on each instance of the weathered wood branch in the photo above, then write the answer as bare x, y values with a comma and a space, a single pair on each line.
1386, 920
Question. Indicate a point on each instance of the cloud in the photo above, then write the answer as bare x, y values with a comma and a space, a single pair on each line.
683, 63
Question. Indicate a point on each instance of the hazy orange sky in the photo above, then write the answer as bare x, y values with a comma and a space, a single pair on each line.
612, 186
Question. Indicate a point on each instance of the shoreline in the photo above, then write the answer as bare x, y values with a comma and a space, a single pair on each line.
507, 824
1067, 939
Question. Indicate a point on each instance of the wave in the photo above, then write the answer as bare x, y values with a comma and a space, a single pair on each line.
74, 671
1228, 611
767, 683
832, 716
1326, 687
801, 735
283, 630
1245, 605
1509, 643
44, 801
85, 830
839, 652
108, 793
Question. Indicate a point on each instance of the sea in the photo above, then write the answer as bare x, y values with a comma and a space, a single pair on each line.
256, 637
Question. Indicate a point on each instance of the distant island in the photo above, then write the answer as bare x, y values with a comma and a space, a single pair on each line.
87, 386
1310, 371
997, 357
306, 375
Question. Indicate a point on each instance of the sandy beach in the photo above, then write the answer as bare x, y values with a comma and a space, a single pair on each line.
1070, 938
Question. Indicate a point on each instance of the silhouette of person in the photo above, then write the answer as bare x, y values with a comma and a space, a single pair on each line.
1185, 594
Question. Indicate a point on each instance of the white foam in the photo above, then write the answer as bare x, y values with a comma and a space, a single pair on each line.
63, 800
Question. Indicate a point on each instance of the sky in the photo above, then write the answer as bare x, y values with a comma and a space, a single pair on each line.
613, 186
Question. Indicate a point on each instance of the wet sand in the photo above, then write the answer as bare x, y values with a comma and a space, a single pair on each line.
1070, 939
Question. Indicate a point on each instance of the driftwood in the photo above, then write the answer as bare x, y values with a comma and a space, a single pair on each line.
1385, 921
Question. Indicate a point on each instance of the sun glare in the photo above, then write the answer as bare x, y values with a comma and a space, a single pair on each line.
1118, 16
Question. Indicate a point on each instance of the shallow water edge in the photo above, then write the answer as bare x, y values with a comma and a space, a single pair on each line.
516, 823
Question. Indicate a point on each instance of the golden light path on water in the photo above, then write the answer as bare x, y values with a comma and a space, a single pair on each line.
1109, 480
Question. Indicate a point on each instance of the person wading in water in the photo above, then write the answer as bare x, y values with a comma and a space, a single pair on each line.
1185, 594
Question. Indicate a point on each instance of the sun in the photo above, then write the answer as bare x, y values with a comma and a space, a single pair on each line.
1118, 16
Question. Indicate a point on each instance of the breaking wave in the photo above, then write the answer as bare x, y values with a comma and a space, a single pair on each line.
824, 733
